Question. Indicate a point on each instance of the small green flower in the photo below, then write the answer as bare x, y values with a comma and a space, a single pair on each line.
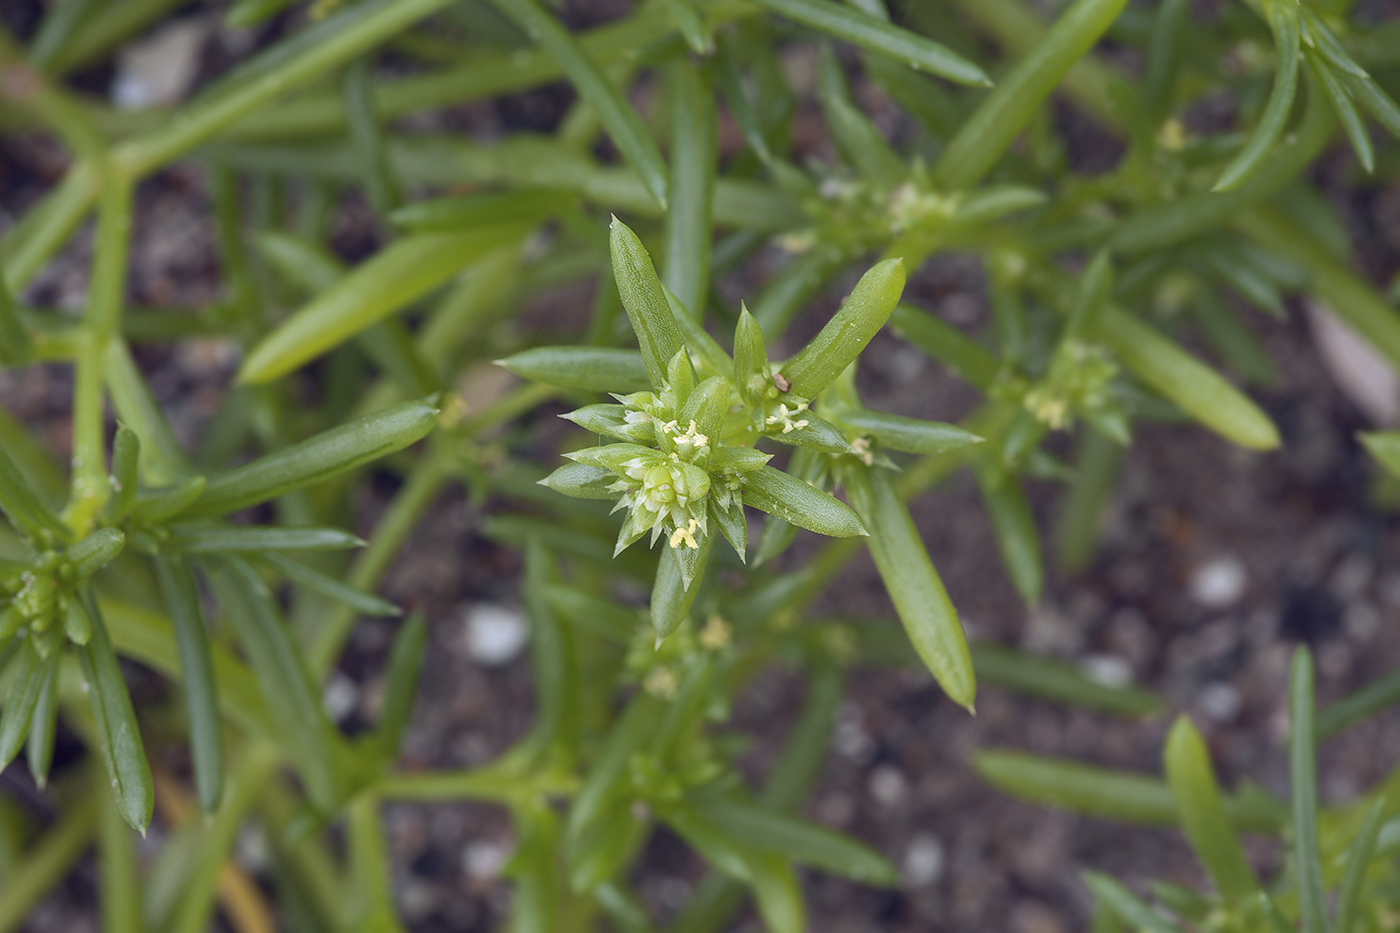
672, 484
1077, 382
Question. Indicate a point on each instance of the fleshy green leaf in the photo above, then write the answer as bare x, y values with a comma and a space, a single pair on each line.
181, 596
864, 312
1302, 770
753, 373
629, 133
1202, 812
645, 302
117, 733
814, 434
912, 435
157, 506
1090, 299
582, 481
876, 35
594, 369
611, 456
95, 551
984, 137
307, 736
395, 277
482, 210
1018, 539
946, 344
679, 574
329, 587
1363, 844
768, 830
1283, 20
22, 505
1195, 387
16, 347
401, 685
918, 595
1127, 905
1039, 676
694, 154
31, 671
1355, 127
316, 459
43, 724
804, 505
126, 458
1385, 447
193, 539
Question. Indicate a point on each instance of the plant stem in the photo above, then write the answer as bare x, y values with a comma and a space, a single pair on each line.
106, 293
220, 831
120, 888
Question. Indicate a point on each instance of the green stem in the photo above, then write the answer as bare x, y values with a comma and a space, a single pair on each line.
372, 904
117, 868
220, 831
305, 865
102, 320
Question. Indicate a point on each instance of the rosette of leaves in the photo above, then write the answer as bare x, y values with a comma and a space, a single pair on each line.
685, 467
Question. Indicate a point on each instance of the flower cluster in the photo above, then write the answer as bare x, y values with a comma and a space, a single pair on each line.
43, 598
671, 474
1078, 380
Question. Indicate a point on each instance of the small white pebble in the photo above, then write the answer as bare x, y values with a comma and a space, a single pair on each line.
252, 849
888, 786
673, 892
495, 634
1107, 669
851, 739
484, 860
340, 697
906, 363
1218, 583
417, 899
923, 861
160, 69
1220, 701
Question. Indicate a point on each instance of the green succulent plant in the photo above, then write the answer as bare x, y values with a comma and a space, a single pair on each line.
1117, 299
